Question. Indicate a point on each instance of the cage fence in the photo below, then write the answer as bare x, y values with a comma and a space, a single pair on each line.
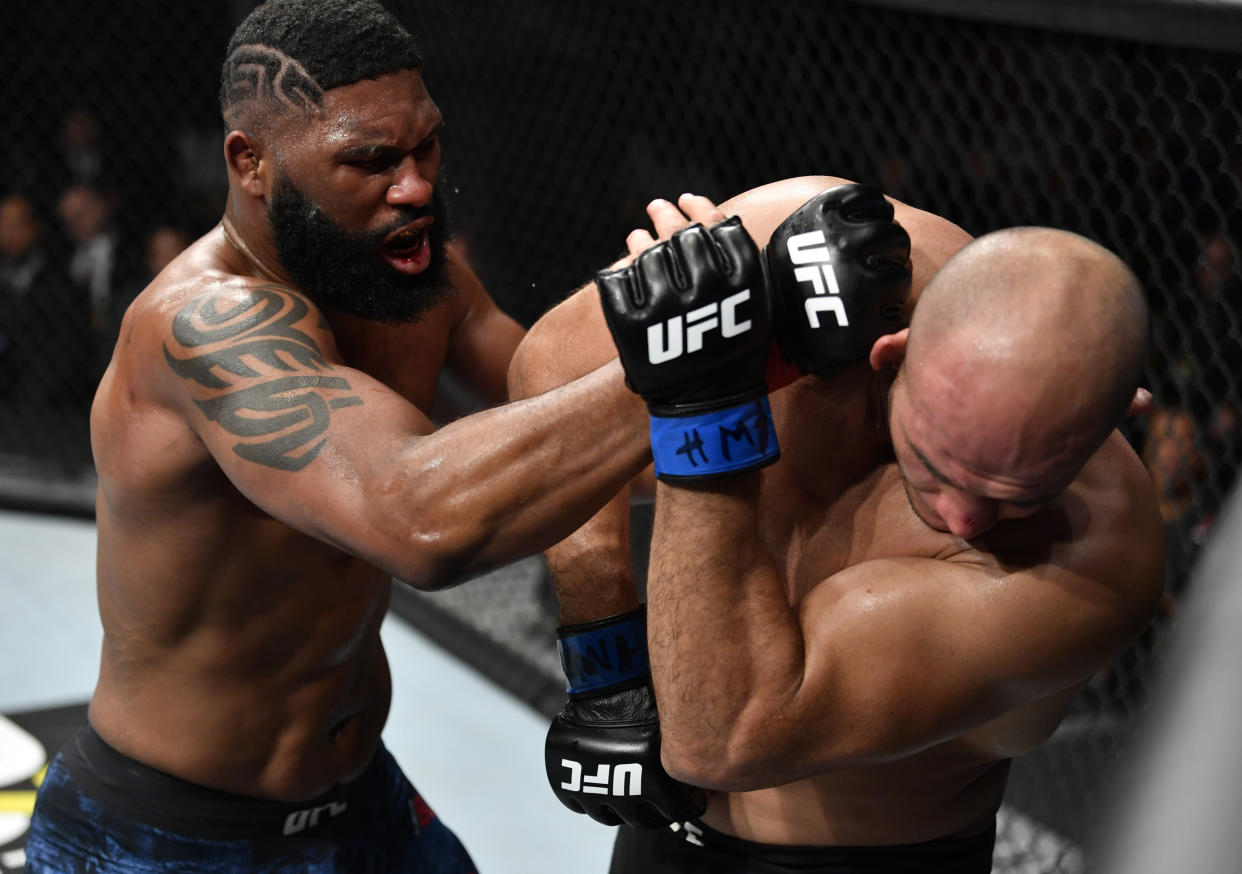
563, 119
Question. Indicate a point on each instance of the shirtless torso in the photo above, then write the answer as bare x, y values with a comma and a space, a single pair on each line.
265, 470
820, 518
864, 573
250, 648
268, 465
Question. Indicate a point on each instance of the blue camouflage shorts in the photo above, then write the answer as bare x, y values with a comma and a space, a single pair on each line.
99, 812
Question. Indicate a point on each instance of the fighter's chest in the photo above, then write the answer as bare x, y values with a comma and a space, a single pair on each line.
406, 358
836, 497
812, 533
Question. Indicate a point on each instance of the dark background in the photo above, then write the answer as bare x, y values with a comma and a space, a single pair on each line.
1118, 120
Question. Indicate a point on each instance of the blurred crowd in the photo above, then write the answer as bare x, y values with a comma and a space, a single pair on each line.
73, 254
78, 242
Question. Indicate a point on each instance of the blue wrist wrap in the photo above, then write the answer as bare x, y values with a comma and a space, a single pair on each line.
716, 443
604, 653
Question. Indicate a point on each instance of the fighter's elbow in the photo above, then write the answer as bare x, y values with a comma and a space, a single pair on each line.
443, 553
758, 751
700, 768
430, 571
424, 551
538, 363
522, 371
735, 762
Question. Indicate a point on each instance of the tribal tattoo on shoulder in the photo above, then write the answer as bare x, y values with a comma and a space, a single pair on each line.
280, 420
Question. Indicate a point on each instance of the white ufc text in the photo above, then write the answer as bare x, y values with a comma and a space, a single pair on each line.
810, 251
668, 340
626, 779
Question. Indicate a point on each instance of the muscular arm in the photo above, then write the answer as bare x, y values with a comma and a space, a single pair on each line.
887, 657
484, 340
591, 568
933, 239
336, 454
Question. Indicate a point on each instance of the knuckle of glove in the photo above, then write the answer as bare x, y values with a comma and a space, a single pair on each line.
708, 263
671, 801
839, 271
647, 815
659, 268
632, 299
889, 244
607, 815
622, 299
736, 249
696, 265
861, 204
742, 262
619, 289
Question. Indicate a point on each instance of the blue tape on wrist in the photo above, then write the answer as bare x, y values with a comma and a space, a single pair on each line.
605, 655
713, 444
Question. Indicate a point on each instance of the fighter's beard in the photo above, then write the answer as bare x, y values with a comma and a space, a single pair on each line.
341, 269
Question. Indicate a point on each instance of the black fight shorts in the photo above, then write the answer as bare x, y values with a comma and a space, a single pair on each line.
693, 848
100, 811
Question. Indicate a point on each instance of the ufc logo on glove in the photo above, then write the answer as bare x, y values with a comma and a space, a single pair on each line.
626, 779
686, 295
665, 339
810, 249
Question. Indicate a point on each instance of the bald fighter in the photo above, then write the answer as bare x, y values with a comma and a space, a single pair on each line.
267, 465
849, 645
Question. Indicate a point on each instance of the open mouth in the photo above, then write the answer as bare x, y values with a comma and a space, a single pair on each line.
408, 250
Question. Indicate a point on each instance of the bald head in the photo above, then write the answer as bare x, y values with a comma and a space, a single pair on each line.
1031, 325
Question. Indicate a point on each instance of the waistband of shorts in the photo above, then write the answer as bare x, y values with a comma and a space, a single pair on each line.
131, 789
954, 853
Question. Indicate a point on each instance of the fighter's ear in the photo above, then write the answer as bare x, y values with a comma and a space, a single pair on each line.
242, 154
1140, 404
889, 350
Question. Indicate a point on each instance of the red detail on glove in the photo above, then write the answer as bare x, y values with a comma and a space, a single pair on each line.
779, 372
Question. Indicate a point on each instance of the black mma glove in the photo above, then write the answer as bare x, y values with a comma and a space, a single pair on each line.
691, 321
839, 273
602, 752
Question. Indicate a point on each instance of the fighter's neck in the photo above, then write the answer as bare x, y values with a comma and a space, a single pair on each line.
842, 418
854, 399
253, 245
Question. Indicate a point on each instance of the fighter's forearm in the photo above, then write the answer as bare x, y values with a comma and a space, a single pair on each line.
727, 652
509, 482
591, 568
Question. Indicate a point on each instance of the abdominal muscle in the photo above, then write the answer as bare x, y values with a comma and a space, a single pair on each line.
944, 791
267, 684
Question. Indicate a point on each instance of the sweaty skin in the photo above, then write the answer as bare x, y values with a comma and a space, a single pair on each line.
267, 466
592, 567
830, 659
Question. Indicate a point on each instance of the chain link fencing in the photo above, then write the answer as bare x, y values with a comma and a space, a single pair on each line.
563, 119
